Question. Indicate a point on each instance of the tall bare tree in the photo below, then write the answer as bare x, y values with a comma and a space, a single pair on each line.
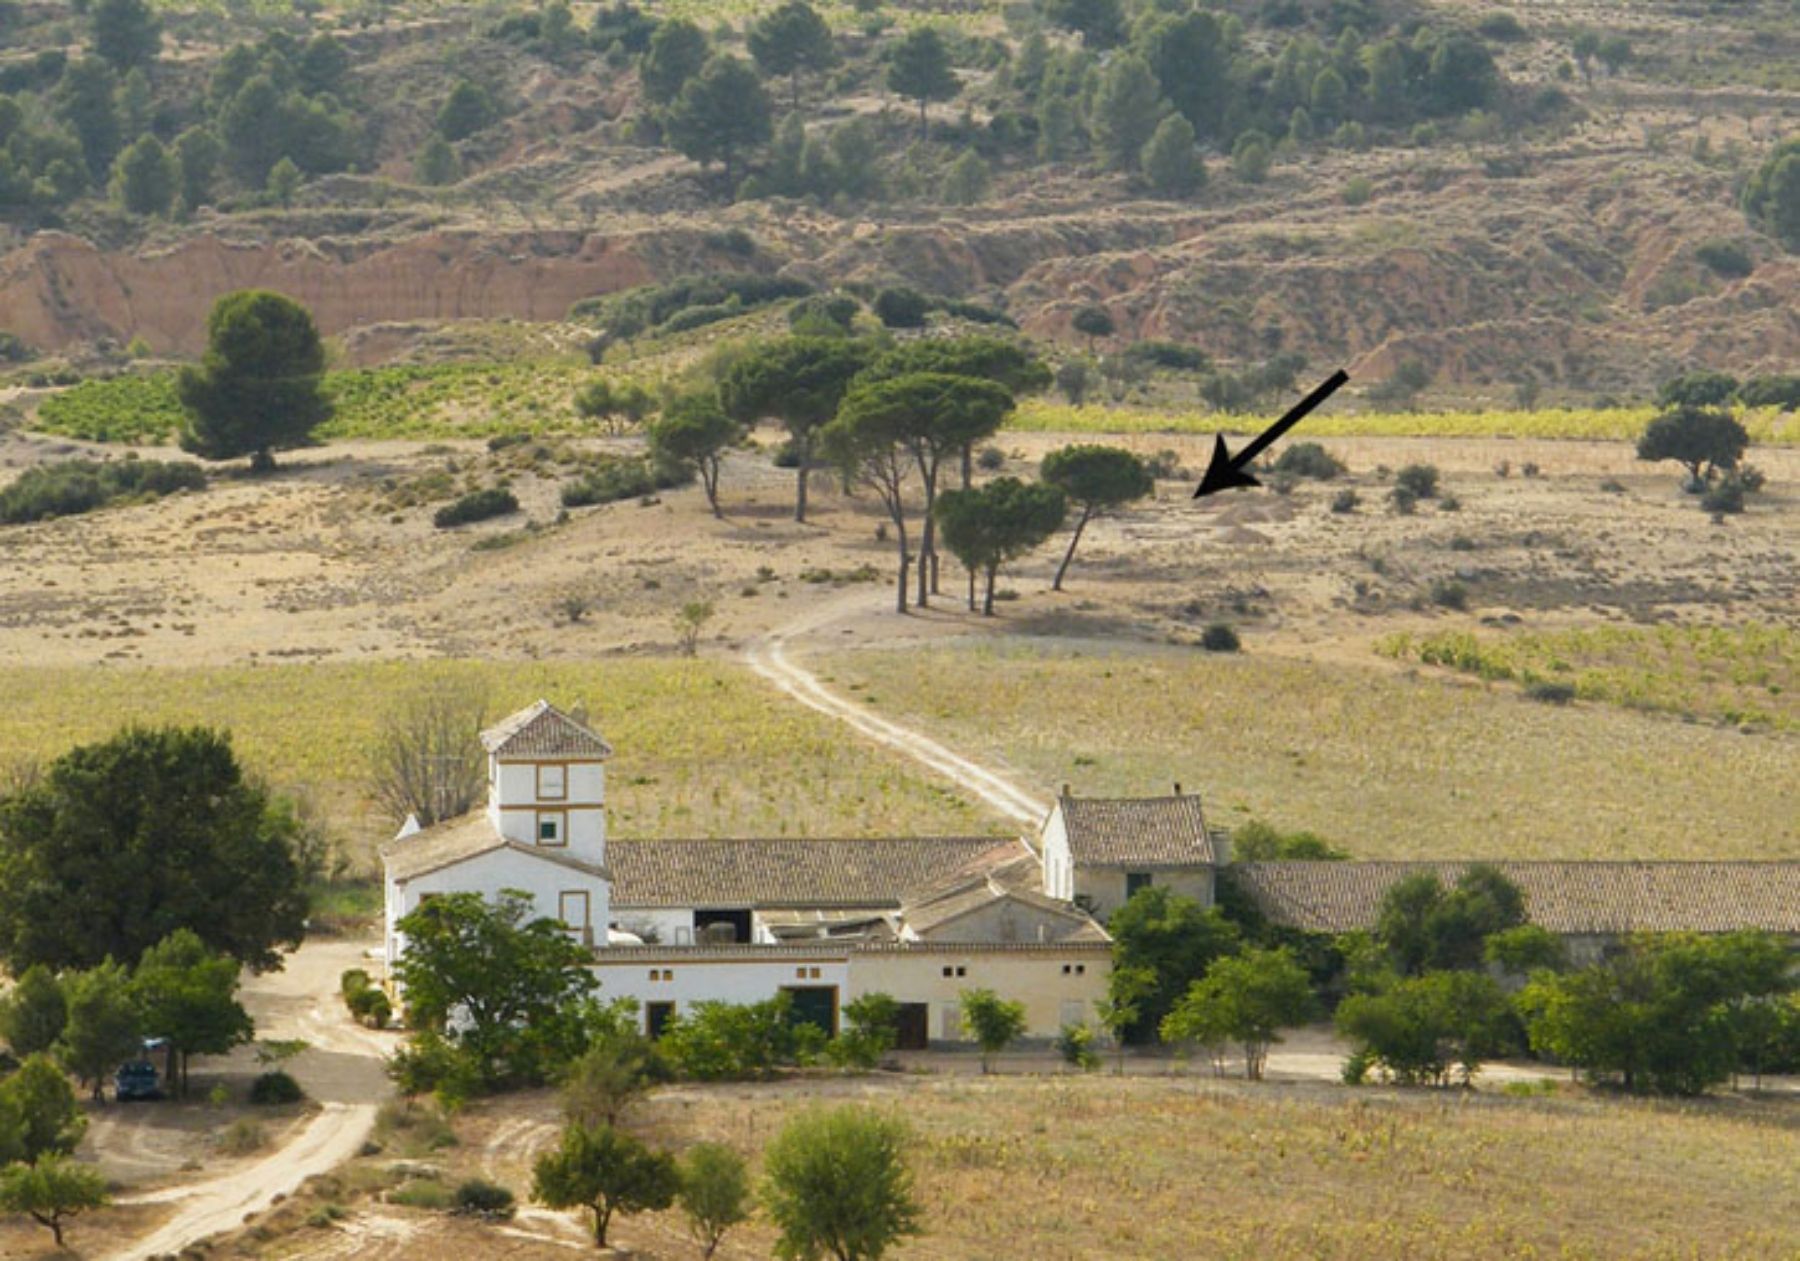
427, 761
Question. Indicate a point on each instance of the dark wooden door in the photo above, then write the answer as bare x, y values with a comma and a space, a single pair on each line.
814, 1005
912, 1027
657, 1017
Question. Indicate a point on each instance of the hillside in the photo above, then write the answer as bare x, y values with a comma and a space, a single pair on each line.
1551, 234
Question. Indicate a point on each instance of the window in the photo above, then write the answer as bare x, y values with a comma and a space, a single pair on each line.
949, 971
799, 974
550, 829
1135, 880
553, 784
572, 908
814, 973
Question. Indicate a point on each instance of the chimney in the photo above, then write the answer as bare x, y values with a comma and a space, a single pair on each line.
1066, 792
1178, 788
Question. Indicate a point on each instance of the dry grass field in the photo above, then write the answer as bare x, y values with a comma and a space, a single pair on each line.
1385, 762
1156, 1168
704, 748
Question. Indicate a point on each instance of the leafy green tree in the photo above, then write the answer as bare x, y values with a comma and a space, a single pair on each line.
145, 177
919, 69
1585, 47
38, 1112
1170, 162
1385, 63
1425, 927
1121, 1012
284, 182
933, 415
722, 115
800, 381
125, 33
716, 1041
467, 110
1251, 154
323, 65
792, 40
871, 1027
1057, 127
103, 1029
1097, 480
605, 1171
122, 842
714, 1194
1074, 377
1191, 59
966, 182
677, 52
1100, 23
619, 407
1614, 52
1524, 949
84, 98
437, 164
838, 1186
251, 131
1420, 1027
510, 981
993, 1022
1126, 111
33, 1016
1259, 842
694, 432
996, 359
1329, 96
865, 441
257, 389
1247, 997
1174, 938
1093, 322
188, 994
1462, 75
197, 154
1697, 389
50, 1190
988, 526
617, 1069
1771, 197
135, 102
1702, 440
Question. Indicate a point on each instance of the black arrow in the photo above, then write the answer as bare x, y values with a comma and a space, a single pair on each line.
1227, 470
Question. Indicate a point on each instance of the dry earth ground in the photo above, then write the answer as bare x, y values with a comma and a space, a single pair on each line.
1060, 1167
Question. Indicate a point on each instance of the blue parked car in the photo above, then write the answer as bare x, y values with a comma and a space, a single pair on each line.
137, 1079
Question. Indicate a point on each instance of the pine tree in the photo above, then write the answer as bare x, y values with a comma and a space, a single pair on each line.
722, 115
966, 182
919, 69
145, 178
437, 164
1126, 111
1171, 162
677, 52
792, 40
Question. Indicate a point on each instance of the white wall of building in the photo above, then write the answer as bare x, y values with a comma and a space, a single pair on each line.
1104, 887
520, 797
714, 976
488, 874
1058, 870
1058, 987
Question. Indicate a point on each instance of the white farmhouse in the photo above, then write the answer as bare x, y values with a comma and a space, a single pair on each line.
543, 831
1098, 851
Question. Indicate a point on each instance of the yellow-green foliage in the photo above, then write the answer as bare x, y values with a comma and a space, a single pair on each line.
1766, 425
466, 400
1149, 1167
704, 748
1746, 674
1387, 766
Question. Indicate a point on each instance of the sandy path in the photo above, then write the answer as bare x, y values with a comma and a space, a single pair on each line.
342, 1070
768, 656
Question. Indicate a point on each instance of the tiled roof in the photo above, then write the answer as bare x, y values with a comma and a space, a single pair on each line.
1145, 832
1564, 897
781, 872
458, 840
1009, 874
542, 730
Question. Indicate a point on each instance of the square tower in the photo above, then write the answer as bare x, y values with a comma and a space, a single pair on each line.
547, 782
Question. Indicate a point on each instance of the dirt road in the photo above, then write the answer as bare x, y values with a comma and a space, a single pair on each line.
768, 656
342, 1069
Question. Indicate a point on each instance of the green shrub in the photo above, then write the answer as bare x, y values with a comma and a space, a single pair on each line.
71, 487
729, 1041
477, 505
1309, 459
477, 1198
901, 307
371, 1007
1403, 500
1219, 637
619, 479
425, 1193
1447, 593
1501, 27
1781, 391
1345, 501
991, 459
1358, 191
1420, 479
275, 1088
1726, 496
353, 981
1727, 258
1075, 1044
242, 1137
1549, 692
633, 311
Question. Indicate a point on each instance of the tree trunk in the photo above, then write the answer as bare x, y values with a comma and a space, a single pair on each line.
1070, 554
600, 1222
924, 126
54, 1222
900, 592
804, 451
968, 465
709, 478
987, 603
928, 538
971, 588
794, 84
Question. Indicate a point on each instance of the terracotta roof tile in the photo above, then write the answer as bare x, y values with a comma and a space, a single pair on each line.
458, 840
542, 730
1145, 832
1564, 897
782, 872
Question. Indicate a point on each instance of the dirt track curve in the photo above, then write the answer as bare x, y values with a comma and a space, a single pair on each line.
768, 656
